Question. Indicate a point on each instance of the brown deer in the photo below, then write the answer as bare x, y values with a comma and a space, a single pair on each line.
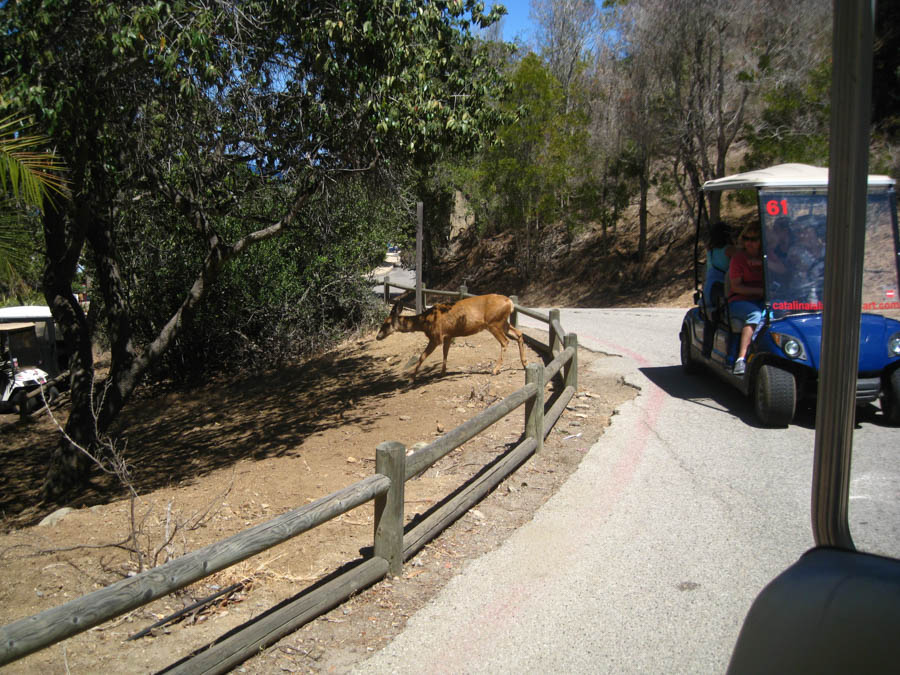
443, 322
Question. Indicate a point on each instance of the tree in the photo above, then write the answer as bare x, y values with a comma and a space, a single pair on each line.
710, 60
539, 174
229, 119
613, 115
886, 69
793, 125
282, 299
565, 34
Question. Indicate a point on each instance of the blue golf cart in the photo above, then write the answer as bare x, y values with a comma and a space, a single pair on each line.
784, 355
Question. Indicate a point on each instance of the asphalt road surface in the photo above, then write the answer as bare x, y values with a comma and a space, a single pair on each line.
648, 558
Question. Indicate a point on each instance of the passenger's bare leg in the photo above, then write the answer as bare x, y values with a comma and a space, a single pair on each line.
746, 334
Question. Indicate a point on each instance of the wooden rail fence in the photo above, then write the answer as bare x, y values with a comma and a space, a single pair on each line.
392, 545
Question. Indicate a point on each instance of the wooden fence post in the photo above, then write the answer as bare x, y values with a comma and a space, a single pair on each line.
387, 291
554, 337
571, 369
514, 317
390, 461
463, 289
420, 260
534, 408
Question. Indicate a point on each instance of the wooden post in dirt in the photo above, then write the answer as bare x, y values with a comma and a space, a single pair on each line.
554, 341
390, 461
534, 408
387, 290
420, 263
514, 317
571, 368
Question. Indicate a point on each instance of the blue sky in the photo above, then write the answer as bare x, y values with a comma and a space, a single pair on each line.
516, 20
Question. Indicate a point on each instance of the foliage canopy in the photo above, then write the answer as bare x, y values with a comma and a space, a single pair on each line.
212, 127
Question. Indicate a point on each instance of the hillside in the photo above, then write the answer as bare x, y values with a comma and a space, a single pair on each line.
585, 270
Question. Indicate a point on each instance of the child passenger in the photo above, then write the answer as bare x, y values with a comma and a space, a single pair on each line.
718, 257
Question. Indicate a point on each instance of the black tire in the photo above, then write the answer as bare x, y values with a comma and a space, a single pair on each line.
774, 396
51, 393
29, 404
890, 403
688, 364
19, 402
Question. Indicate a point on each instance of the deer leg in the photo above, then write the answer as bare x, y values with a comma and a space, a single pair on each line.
501, 338
447, 342
521, 340
430, 348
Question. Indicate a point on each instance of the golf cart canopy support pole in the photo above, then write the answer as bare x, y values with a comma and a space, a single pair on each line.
851, 95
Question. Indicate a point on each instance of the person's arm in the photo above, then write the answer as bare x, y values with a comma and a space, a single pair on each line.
738, 287
736, 276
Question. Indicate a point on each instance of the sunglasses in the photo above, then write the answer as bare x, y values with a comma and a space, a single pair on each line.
750, 238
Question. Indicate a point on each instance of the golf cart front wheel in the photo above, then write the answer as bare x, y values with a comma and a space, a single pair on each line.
19, 402
775, 396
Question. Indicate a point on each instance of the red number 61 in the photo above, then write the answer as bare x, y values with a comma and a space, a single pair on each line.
775, 208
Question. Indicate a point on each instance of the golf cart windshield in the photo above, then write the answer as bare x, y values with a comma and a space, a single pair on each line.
794, 223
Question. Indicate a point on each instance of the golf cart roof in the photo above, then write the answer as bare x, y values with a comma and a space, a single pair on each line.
784, 176
25, 313
12, 327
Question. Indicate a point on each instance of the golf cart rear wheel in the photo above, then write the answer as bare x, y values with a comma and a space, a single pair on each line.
688, 365
890, 404
774, 396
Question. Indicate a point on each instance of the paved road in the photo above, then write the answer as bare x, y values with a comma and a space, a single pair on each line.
649, 556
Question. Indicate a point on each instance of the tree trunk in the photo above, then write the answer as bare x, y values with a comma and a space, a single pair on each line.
96, 406
122, 377
69, 468
715, 206
644, 181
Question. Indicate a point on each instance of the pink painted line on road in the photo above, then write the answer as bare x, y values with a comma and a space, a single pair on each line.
509, 607
627, 465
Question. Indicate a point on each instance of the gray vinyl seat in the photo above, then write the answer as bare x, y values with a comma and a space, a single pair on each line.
833, 611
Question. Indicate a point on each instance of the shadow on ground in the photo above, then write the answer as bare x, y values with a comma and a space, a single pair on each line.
705, 389
184, 435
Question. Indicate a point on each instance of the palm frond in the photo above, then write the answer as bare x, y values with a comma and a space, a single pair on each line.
14, 247
27, 174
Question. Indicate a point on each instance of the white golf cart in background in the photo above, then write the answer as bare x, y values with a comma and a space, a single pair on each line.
30, 357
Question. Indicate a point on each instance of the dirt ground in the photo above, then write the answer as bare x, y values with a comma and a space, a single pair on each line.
212, 461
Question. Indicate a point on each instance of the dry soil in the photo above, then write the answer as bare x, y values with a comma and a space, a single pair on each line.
217, 459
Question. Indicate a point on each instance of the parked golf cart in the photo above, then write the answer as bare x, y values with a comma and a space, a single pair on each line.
20, 371
784, 356
29, 358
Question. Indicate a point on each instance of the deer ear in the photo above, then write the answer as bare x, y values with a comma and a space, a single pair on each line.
395, 310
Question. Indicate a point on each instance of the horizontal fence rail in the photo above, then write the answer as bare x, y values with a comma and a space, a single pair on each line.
27, 635
392, 545
423, 458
